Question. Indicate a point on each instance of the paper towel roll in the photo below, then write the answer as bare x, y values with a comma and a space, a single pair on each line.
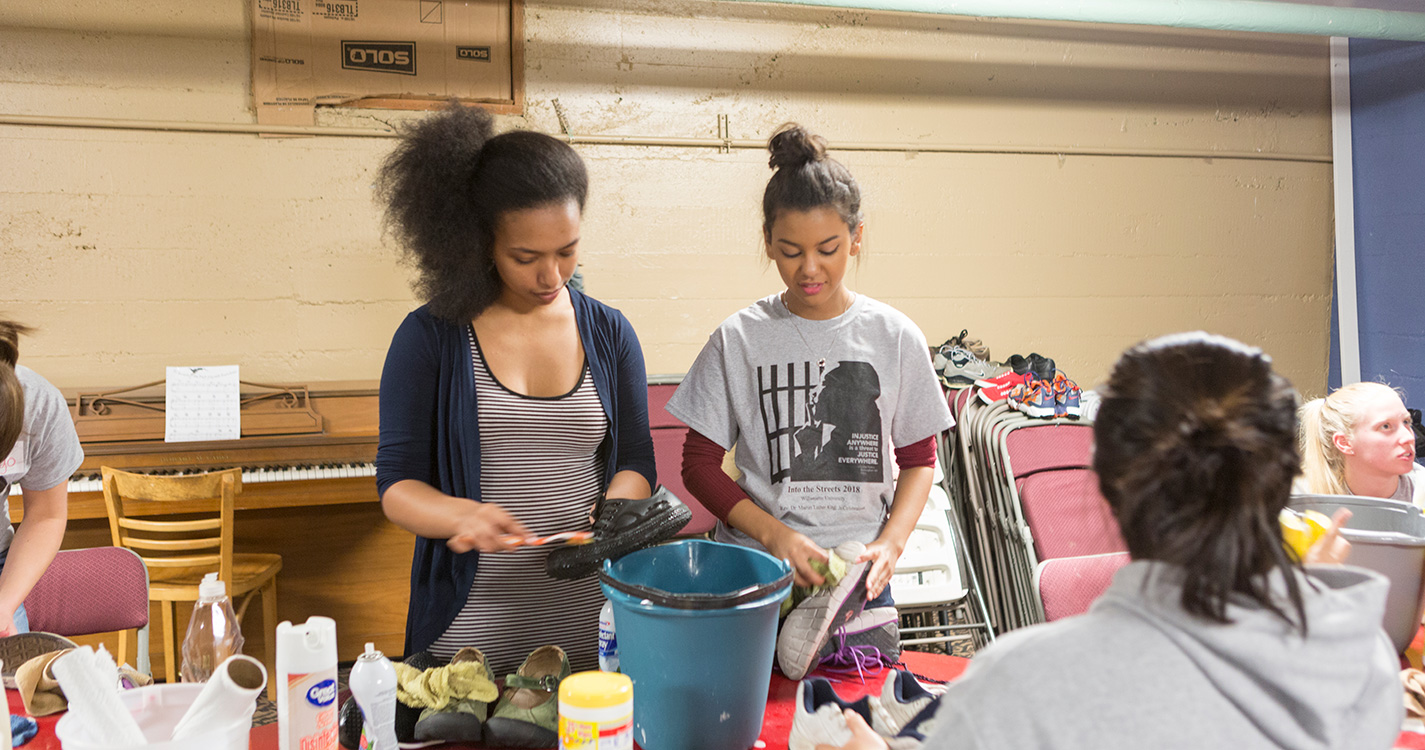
227, 697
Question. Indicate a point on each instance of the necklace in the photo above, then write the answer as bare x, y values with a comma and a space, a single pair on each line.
820, 363
814, 392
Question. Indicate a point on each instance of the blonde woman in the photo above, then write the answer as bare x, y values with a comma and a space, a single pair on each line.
1359, 441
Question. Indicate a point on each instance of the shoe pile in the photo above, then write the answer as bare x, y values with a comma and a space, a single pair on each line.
450, 702
1034, 386
961, 361
903, 714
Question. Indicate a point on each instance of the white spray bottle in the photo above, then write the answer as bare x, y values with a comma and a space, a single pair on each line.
373, 685
306, 679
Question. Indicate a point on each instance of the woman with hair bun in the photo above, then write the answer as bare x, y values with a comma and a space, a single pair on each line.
510, 403
819, 389
1359, 440
1213, 636
41, 451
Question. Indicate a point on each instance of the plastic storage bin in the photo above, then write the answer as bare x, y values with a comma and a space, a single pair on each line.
697, 629
157, 708
1388, 537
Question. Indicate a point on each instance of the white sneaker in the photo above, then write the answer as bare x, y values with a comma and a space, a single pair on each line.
819, 718
808, 626
902, 699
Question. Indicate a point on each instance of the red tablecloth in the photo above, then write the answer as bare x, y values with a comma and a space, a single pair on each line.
775, 727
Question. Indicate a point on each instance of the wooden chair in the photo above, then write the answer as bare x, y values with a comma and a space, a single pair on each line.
195, 540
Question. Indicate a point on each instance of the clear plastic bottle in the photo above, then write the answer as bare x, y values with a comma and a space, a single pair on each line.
213, 633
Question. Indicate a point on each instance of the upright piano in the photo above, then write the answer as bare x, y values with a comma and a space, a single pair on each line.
307, 455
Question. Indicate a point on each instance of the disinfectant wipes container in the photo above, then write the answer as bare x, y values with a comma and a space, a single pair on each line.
1386, 536
697, 629
157, 709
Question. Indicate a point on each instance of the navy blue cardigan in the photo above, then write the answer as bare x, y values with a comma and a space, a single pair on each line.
430, 432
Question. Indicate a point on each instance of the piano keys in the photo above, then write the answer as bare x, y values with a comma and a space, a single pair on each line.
309, 494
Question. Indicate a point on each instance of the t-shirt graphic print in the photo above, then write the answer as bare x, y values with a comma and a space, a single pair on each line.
813, 411
822, 425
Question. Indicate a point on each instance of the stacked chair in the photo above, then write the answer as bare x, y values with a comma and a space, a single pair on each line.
1024, 492
936, 591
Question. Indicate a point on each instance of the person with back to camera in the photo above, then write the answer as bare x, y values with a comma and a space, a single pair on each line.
1359, 441
816, 387
510, 404
1213, 636
41, 451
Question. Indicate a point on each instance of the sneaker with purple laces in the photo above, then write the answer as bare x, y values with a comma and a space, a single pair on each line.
812, 622
869, 642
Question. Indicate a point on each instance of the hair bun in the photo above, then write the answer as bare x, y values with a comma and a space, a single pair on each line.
793, 146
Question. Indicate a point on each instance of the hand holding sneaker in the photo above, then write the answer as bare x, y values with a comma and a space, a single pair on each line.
781, 542
881, 555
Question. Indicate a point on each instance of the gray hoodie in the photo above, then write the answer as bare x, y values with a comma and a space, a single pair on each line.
1136, 671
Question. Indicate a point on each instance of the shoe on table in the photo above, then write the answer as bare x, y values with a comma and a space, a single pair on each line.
18, 649
528, 712
350, 720
819, 717
809, 625
460, 719
621, 527
913, 735
902, 699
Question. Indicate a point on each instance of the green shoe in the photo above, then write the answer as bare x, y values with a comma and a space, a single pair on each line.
462, 716
528, 712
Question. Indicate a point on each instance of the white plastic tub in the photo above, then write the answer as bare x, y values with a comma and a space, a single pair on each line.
157, 708
1386, 536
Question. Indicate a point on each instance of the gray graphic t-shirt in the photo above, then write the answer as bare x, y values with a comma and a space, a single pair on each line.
48, 450
815, 409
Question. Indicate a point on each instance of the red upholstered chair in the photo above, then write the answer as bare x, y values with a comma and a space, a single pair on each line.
1067, 516
96, 590
1068, 585
668, 437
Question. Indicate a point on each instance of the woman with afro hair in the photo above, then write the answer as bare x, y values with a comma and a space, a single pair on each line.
510, 402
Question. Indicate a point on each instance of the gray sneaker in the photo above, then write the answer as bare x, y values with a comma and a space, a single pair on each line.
811, 623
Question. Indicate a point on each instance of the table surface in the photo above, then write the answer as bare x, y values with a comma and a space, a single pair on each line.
776, 723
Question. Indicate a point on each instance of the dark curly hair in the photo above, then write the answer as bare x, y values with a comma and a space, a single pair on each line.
446, 186
806, 178
12, 394
1195, 449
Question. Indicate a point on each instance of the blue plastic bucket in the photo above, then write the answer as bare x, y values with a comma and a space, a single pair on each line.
697, 628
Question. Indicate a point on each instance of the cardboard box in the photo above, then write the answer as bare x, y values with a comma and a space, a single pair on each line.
398, 54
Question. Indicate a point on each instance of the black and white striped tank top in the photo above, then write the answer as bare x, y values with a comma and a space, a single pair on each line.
539, 461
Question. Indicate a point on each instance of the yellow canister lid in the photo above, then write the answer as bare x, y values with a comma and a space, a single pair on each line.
595, 690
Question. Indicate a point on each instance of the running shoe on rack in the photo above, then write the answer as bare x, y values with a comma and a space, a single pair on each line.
1039, 400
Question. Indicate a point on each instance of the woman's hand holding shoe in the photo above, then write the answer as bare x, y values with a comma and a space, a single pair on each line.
800, 551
